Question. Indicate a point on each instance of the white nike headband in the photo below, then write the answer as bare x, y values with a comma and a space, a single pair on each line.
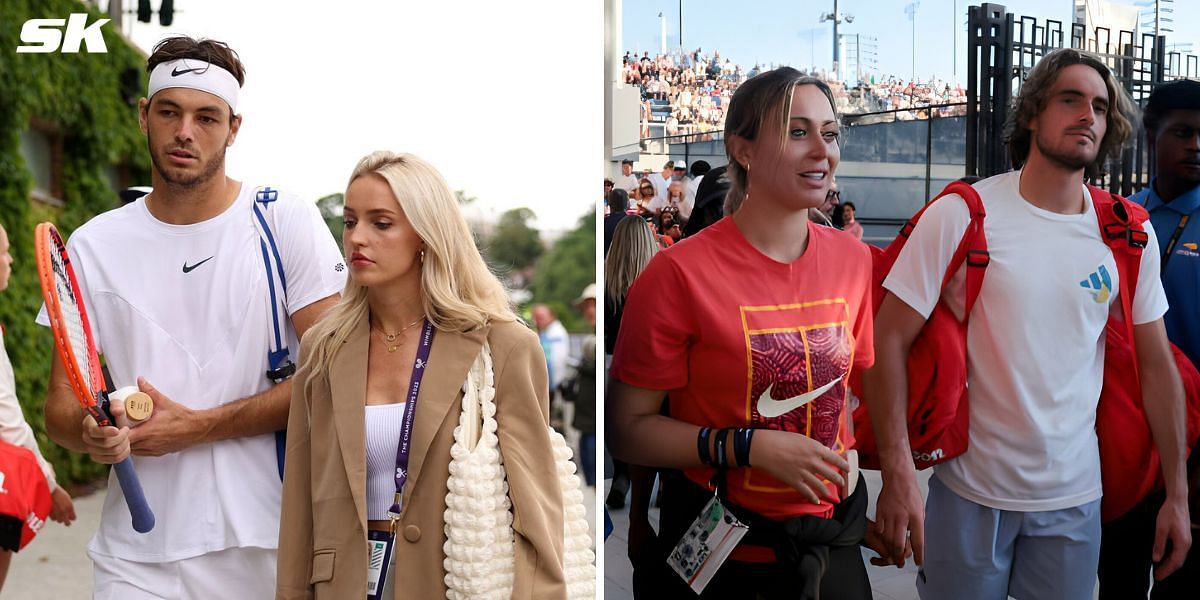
197, 75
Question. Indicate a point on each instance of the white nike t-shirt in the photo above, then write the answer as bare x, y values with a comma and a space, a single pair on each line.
186, 307
1035, 343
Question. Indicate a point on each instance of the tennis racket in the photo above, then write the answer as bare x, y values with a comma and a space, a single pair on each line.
73, 341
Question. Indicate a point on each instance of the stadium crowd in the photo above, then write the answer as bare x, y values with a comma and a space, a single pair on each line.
689, 93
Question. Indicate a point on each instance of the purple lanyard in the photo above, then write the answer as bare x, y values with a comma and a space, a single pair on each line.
410, 411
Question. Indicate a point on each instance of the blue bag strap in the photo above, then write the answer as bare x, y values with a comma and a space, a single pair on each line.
279, 361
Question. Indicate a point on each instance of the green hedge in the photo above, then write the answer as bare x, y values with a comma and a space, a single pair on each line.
79, 94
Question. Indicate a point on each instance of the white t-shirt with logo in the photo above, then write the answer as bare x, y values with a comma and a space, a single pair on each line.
1035, 343
186, 307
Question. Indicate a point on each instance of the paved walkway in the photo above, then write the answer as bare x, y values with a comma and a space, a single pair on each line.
55, 565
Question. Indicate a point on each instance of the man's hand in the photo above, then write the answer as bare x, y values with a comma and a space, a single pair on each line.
899, 511
62, 509
172, 427
1172, 526
108, 444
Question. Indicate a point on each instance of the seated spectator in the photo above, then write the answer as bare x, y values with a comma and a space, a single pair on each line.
644, 196
664, 241
626, 180
669, 224
675, 200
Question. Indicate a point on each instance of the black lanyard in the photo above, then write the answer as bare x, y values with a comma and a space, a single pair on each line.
1183, 221
1170, 247
410, 411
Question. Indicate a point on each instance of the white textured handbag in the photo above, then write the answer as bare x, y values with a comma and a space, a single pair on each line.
479, 535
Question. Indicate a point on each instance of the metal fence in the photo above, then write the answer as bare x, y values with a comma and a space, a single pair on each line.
924, 135
708, 145
1003, 47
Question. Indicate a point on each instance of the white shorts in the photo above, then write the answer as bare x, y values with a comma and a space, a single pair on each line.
229, 573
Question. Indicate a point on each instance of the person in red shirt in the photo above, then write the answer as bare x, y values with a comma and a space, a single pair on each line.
778, 312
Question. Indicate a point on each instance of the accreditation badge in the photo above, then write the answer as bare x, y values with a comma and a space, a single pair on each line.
706, 544
379, 549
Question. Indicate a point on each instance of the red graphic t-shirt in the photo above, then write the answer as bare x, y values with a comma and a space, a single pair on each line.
738, 339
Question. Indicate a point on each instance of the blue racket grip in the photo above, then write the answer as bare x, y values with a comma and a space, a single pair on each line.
131, 487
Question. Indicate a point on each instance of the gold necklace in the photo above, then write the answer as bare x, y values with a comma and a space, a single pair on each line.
391, 337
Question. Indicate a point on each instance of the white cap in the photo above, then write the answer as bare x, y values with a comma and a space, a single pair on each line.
589, 293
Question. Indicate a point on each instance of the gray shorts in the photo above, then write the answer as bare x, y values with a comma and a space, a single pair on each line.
972, 551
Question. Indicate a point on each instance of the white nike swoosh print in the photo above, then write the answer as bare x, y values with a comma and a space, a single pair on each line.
770, 407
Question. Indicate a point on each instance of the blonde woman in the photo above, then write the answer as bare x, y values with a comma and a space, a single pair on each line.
644, 196
634, 244
632, 248
417, 308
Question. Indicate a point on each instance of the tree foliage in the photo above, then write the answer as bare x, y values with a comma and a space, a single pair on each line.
81, 97
331, 210
568, 268
515, 245
463, 199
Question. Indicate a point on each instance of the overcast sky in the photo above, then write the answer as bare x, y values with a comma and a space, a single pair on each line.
504, 98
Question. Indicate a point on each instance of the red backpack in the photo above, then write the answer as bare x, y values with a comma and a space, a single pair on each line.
937, 373
1129, 461
937, 360
24, 496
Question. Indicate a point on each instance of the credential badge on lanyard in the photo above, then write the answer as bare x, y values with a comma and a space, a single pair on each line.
381, 544
706, 545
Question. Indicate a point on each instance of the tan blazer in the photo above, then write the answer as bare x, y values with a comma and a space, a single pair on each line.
322, 533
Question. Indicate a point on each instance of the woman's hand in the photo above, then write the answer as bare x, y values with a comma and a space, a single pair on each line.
800, 462
874, 541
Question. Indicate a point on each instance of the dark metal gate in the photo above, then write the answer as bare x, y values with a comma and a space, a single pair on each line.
1003, 47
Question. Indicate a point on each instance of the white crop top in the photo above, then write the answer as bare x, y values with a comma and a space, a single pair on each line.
384, 423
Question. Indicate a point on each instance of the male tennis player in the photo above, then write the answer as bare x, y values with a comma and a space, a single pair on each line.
180, 302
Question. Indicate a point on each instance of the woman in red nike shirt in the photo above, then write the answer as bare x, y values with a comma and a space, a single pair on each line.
777, 312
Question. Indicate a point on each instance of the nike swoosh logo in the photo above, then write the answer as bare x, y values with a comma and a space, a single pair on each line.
187, 269
176, 72
770, 407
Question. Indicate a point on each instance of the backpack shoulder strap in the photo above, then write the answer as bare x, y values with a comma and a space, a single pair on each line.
279, 358
280, 365
1121, 229
972, 250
